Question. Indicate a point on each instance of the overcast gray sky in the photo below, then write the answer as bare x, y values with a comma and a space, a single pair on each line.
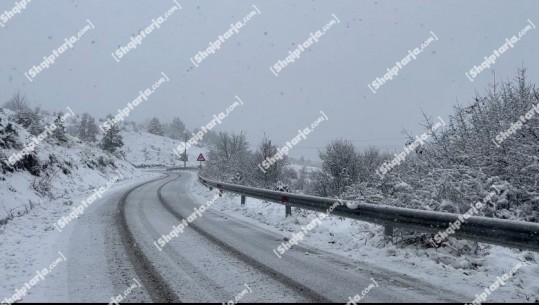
332, 76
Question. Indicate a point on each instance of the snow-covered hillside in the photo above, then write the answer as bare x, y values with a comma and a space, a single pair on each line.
144, 149
54, 172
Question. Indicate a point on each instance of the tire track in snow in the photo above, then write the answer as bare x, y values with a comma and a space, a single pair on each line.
289, 282
153, 282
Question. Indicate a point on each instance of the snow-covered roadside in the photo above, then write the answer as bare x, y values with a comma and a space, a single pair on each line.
30, 243
364, 242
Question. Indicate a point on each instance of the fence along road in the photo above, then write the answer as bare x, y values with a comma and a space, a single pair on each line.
508, 233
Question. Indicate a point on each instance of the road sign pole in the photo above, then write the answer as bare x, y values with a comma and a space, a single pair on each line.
201, 159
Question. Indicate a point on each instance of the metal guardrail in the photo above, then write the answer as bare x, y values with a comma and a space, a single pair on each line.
514, 234
182, 168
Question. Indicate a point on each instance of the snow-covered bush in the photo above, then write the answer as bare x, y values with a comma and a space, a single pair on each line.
458, 166
461, 165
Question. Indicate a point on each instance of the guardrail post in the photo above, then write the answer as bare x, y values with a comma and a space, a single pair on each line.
288, 211
388, 233
242, 199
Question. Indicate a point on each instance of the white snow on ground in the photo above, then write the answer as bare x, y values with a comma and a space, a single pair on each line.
364, 242
149, 150
74, 171
30, 243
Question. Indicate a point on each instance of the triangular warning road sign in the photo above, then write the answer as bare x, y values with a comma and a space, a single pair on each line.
201, 158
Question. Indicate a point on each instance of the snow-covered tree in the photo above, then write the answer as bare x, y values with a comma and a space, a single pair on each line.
88, 129
112, 140
83, 128
59, 133
176, 129
465, 161
340, 167
369, 161
17, 103
155, 127
210, 137
230, 155
274, 173
321, 184
92, 130
8, 135
30, 120
300, 183
36, 126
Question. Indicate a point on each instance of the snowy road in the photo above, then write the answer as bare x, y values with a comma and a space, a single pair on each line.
214, 260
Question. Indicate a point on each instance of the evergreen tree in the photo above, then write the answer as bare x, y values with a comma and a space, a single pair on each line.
112, 140
36, 126
92, 130
88, 129
301, 182
83, 128
59, 133
176, 130
155, 127
8, 135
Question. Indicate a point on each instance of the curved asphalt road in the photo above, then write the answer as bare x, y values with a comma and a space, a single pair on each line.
217, 258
